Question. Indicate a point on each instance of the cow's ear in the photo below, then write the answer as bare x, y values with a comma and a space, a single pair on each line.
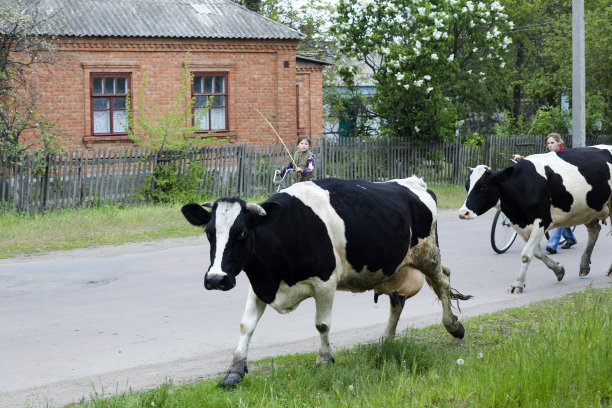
272, 210
195, 214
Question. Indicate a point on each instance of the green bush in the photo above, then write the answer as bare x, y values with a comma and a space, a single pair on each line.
550, 119
169, 184
473, 139
596, 108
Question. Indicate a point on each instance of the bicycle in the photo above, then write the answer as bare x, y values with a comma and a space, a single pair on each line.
280, 181
503, 235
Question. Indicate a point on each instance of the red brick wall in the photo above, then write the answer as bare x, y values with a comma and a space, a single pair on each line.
258, 78
310, 80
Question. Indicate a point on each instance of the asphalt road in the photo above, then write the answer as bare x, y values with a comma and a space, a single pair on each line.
109, 319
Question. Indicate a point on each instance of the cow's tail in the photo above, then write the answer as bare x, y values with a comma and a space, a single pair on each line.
454, 293
609, 217
609, 214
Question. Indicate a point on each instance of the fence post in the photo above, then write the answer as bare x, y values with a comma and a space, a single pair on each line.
323, 159
486, 151
390, 160
44, 180
240, 152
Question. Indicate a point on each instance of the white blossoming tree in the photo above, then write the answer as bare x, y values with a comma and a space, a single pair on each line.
433, 61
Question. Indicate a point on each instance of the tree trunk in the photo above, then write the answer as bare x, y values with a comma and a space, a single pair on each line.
253, 5
517, 92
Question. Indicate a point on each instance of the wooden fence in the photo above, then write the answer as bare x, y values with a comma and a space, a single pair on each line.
37, 182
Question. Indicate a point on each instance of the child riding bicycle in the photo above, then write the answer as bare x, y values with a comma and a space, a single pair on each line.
302, 161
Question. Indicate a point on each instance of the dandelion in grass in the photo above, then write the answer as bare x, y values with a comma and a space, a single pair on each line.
460, 361
479, 355
351, 388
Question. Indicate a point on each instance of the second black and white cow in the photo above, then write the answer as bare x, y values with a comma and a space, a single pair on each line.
314, 238
546, 191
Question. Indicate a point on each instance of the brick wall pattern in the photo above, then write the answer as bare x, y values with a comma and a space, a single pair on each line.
262, 75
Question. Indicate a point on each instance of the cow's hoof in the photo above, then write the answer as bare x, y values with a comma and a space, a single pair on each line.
515, 289
459, 332
230, 379
584, 272
560, 274
325, 359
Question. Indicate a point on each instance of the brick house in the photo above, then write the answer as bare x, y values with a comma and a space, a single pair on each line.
239, 58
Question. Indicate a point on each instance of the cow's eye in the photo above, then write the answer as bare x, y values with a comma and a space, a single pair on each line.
242, 235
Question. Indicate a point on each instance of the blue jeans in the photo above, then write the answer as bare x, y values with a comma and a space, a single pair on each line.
555, 236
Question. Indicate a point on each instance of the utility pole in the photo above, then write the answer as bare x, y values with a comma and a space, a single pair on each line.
578, 81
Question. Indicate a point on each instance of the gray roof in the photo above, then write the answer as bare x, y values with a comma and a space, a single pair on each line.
159, 18
313, 61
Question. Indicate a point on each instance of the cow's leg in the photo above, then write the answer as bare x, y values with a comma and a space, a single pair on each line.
324, 301
528, 252
593, 229
426, 257
397, 305
252, 312
553, 265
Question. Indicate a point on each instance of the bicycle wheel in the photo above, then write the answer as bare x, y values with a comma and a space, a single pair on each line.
502, 233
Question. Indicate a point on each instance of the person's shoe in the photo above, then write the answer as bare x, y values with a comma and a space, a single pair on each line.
550, 250
568, 244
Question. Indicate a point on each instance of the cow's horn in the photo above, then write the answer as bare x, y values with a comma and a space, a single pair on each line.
207, 204
257, 209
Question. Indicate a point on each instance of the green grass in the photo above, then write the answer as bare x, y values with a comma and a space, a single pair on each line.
552, 354
23, 234
448, 195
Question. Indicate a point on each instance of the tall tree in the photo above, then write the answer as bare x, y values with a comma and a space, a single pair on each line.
541, 59
311, 18
433, 62
21, 51
253, 5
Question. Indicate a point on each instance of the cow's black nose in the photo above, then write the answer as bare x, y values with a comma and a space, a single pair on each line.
219, 282
213, 282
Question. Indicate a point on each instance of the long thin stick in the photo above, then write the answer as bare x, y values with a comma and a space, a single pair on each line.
277, 135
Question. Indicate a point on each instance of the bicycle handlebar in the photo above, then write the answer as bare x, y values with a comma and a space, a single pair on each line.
280, 181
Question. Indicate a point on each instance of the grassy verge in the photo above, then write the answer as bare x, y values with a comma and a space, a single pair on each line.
552, 354
22, 234
448, 195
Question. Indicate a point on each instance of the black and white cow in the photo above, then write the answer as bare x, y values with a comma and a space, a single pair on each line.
546, 191
316, 237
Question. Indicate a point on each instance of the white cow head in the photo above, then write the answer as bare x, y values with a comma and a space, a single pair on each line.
230, 230
482, 193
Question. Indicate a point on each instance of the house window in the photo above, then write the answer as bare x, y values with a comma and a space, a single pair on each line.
210, 107
108, 103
